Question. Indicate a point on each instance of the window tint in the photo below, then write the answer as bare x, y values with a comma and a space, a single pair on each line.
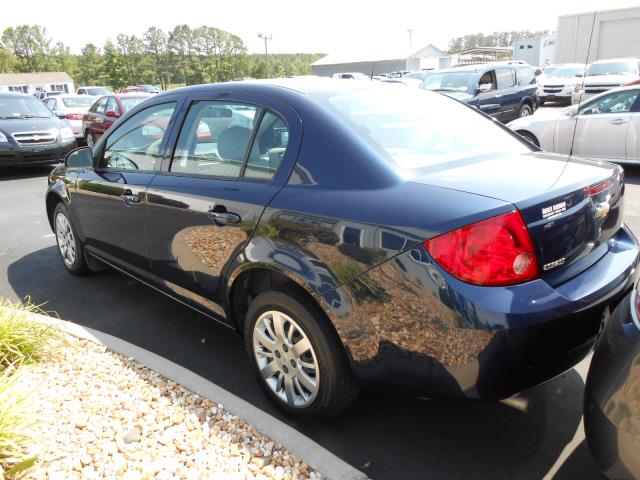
504, 78
351, 236
525, 76
268, 147
391, 241
215, 138
135, 145
619, 102
101, 106
112, 105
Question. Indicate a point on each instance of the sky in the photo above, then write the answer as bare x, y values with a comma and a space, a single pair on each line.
321, 26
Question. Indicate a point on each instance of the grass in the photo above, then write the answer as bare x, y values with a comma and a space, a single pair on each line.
23, 341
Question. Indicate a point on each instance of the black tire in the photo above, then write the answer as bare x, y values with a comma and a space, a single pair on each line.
530, 137
542, 102
525, 110
76, 265
336, 388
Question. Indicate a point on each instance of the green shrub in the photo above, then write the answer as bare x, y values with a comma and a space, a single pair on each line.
22, 339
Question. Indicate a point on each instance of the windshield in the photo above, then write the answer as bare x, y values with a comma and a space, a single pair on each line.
566, 72
418, 75
548, 70
23, 107
459, 81
413, 129
612, 68
98, 91
82, 101
129, 102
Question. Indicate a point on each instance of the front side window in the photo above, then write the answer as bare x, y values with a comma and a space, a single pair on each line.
215, 139
101, 106
112, 105
619, 102
268, 147
504, 78
456, 81
135, 144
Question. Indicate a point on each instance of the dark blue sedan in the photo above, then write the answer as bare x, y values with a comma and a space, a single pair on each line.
355, 234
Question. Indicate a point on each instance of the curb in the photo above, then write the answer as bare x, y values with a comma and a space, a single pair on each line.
316, 456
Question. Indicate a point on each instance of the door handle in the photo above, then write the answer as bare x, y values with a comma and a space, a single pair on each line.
129, 198
617, 121
224, 218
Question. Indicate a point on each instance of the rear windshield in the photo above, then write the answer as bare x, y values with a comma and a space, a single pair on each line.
413, 129
22, 107
98, 91
79, 101
459, 81
612, 68
130, 102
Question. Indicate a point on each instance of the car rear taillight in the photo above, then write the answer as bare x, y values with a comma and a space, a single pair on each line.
73, 116
496, 251
594, 190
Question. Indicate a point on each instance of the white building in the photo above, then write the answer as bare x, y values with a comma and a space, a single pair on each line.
377, 61
36, 82
538, 51
611, 33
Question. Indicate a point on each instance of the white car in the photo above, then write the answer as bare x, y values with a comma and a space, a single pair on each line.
604, 75
607, 127
94, 91
71, 108
351, 76
559, 84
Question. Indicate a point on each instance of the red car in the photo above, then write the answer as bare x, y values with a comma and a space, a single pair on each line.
105, 111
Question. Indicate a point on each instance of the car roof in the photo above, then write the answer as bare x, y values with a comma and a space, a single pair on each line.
609, 60
15, 94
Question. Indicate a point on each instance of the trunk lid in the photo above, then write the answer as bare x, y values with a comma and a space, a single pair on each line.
569, 224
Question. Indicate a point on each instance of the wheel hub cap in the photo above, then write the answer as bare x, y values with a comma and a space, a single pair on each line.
286, 358
66, 242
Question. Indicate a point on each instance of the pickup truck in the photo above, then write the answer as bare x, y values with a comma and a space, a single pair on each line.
505, 91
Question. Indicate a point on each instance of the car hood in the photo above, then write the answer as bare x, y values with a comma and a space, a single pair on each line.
18, 125
608, 79
462, 96
517, 179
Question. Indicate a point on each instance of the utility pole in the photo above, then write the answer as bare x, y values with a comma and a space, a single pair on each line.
266, 37
410, 30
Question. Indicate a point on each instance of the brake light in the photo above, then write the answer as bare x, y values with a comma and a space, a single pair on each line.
73, 116
496, 251
594, 190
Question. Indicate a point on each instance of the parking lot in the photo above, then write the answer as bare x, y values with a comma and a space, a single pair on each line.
386, 435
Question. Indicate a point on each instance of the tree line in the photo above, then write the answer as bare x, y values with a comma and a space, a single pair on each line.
183, 56
495, 39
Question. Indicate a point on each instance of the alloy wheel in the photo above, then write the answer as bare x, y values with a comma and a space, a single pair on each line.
286, 359
66, 241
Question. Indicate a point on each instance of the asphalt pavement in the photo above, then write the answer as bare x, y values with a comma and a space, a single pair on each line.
386, 435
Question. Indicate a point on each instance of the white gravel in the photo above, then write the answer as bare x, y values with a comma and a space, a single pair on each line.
101, 415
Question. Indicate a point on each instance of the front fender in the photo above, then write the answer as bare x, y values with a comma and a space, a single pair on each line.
58, 190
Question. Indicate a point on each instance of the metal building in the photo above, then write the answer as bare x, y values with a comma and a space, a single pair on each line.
612, 33
377, 61
537, 51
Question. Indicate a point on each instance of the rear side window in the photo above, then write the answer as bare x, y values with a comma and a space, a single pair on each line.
505, 78
215, 139
525, 76
268, 147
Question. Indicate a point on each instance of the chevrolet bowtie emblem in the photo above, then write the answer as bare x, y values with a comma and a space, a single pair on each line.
602, 210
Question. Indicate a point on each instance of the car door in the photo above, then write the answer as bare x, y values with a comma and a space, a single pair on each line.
602, 125
489, 101
95, 116
507, 93
109, 201
230, 158
633, 136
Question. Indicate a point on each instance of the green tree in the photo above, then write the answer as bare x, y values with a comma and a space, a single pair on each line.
155, 46
90, 65
8, 61
115, 68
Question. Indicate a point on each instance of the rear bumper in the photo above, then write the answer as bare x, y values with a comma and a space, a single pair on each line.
17, 156
432, 334
611, 403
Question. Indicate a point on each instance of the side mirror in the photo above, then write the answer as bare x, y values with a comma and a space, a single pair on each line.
79, 158
573, 110
538, 72
111, 113
485, 87
580, 75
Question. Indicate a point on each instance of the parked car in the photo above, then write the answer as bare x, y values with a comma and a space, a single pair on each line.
421, 75
71, 108
558, 86
605, 127
105, 111
30, 134
465, 263
350, 76
43, 95
604, 75
612, 393
504, 91
150, 89
94, 91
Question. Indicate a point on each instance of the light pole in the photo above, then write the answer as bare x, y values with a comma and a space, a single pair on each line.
410, 30
266, 37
